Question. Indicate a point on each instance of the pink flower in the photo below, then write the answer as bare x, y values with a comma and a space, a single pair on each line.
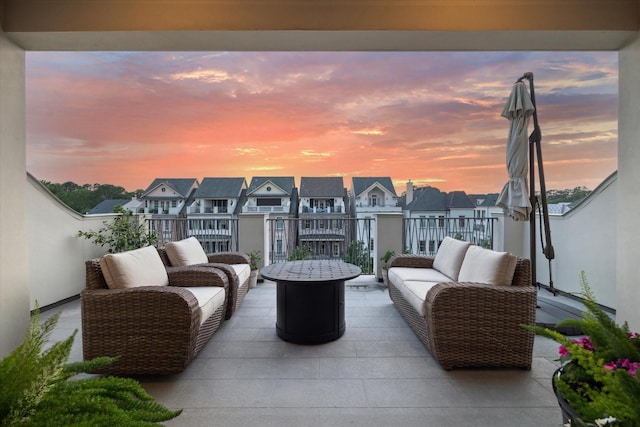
633, 335
564, 352
610, 366
585, 343
633, 368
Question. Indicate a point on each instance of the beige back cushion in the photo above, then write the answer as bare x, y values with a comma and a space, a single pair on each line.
486, 266
450, 255
139, 267
186, 252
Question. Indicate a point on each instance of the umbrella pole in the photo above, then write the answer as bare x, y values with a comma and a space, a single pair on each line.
535, 151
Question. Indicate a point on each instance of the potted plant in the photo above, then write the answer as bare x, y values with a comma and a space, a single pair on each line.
124, 233
38, 388
254, 258
598, 383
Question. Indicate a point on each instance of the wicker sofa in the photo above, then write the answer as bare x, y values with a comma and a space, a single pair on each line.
153, 321
467, 304
189, 252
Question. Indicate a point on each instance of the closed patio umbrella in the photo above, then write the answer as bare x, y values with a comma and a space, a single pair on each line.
514, 198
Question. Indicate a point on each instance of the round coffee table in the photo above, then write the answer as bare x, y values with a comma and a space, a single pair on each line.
310, 299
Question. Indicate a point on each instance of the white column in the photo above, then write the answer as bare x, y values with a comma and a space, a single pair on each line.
628, 209
14, 284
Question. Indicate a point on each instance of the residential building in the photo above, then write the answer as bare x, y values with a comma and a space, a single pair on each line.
168, 196
323, 215
370, 196
107, 206
277, 199
213, 211
432, 215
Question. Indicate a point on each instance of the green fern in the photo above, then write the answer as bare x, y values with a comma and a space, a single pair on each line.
38, 390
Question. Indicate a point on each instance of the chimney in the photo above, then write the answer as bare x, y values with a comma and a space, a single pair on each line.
409, 196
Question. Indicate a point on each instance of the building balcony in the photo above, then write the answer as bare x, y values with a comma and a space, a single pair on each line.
377, 374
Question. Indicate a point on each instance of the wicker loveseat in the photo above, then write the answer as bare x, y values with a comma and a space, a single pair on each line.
153, 321
189, 252
467, 304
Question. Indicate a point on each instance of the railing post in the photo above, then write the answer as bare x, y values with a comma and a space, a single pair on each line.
389, 237
252, 234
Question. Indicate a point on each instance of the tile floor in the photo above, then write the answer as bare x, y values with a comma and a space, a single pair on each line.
377, 374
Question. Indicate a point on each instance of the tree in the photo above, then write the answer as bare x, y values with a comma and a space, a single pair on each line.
82, 198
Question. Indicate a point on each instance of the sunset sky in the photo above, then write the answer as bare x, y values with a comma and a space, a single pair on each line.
429, 117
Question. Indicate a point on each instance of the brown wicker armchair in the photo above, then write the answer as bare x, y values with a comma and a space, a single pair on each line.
151, 329
238, 288
472, 324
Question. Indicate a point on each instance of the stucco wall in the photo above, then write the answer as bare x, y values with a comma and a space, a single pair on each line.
56, 257
14, 292
628, 250
584, 239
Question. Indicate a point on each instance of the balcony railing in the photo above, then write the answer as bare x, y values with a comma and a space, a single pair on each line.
214, 235
346, 239
424, 235
328, 209
349, 239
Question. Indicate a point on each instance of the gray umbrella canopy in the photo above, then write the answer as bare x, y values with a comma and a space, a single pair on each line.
514, 198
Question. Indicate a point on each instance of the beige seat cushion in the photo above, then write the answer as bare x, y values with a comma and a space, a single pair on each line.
210, 298
415, 292
486, 266
450, 255
398, 274
186, 252
139, 267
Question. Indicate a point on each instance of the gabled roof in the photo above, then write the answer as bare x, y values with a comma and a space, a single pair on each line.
459, 200
220, 188
107, 206
182, 186
362, 184
428, 199
321, 187
285, 183
490, 200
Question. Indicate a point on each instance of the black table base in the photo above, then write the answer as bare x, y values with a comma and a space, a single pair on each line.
310, 313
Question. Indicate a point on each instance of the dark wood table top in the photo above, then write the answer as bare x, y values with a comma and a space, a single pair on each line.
310, 271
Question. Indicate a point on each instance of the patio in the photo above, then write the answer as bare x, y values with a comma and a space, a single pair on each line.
377, 374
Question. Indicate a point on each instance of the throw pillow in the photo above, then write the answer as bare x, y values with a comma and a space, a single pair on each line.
186, 252
486, 266
450, 256
139, 267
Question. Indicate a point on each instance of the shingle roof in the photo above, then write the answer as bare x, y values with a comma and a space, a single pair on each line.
182, 186
286, 183
459, 200
361, 184
220, 188
107, 206
321, 187
428, 199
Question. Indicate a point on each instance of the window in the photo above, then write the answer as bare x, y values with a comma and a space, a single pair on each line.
268, 202
374, 200
432, 246
174, 203
432, 221
224, 224
336, 224
423, 221
307, 224
279, 223
441, 221
279, 246
422, 247
322, 224
461, 221
336, 250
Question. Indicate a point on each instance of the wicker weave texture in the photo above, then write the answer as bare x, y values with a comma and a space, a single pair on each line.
151, 329
222, 261
473, 324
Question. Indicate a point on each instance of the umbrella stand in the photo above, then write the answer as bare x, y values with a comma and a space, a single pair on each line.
535, 151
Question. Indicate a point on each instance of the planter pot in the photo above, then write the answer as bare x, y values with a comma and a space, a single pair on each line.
253, 279
385, 277
569, 416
